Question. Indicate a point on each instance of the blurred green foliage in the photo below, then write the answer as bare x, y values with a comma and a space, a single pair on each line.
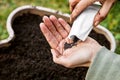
6, 6
112, 22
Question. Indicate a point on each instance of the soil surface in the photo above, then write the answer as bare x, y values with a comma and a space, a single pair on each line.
29, 56
100, 38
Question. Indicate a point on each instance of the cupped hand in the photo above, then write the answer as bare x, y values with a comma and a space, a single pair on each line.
77, 6
56, 32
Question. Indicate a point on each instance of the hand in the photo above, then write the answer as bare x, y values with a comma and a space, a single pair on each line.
56, 31
77, 6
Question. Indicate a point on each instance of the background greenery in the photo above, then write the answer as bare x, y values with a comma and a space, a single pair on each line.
112, 21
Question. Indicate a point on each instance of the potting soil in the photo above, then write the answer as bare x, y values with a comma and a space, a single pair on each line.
29, 57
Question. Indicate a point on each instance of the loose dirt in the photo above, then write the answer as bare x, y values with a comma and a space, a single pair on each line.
29, 56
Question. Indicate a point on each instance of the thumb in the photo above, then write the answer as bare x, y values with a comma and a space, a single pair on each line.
103, 12
55, 55
58, 58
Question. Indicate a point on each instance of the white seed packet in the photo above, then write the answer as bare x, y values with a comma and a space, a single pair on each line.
83, 24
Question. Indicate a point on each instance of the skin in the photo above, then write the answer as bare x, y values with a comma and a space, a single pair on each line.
56, 31
77, 6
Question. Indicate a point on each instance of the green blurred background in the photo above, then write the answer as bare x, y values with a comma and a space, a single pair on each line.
112, 22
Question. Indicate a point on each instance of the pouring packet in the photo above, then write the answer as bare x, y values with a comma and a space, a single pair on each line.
83, 24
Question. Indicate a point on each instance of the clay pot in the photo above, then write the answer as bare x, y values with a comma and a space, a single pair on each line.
45, 11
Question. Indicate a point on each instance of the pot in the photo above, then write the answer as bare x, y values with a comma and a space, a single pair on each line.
46, 11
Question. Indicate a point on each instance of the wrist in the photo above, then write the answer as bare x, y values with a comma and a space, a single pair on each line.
95, 52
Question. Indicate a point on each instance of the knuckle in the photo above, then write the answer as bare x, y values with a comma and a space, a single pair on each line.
75, 13
59, 26
50, 28
114, 1
76, 10
65, 35
102, 17
73, 2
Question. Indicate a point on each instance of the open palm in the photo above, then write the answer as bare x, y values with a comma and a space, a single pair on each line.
56, 32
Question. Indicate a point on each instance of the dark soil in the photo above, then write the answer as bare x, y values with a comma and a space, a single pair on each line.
29, 56
100, 38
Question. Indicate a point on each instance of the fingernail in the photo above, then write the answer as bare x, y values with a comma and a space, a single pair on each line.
96, 23
44, 17
41, 24
52, 17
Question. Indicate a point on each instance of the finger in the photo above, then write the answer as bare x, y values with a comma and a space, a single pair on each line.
58, 26
101, 15
97, 20
65, 25
102, 1
73, 3
55, 53
52, 28
60, 47
83, 4
49, 36
60, 59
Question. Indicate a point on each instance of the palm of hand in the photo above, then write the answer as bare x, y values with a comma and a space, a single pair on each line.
56, 32
75, 56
